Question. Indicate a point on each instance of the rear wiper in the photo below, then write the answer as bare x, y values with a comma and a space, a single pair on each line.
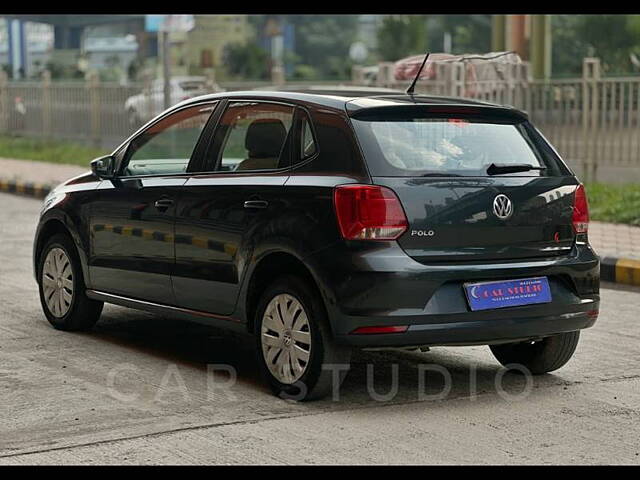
498, 168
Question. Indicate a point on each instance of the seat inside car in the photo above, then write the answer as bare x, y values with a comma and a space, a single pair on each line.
264, 140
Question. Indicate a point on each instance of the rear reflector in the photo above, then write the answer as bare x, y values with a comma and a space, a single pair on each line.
370, 330
368, 212
580, 210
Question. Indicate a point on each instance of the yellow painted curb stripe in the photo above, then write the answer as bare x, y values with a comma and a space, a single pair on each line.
200, 242
628, 271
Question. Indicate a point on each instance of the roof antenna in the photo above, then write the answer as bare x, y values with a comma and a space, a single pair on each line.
413, 84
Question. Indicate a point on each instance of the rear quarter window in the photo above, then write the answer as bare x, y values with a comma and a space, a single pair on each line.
335, 144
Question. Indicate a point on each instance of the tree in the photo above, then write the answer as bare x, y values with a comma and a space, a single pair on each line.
402, 35
612, 38
568, 47
322, 42
470, 33
246, 61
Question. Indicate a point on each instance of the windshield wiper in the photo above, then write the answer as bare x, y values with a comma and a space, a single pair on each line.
499, 168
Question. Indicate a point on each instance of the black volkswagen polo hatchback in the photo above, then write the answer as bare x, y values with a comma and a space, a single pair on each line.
322, 222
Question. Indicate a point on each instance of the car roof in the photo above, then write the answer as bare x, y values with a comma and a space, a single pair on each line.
353, 99
342, 90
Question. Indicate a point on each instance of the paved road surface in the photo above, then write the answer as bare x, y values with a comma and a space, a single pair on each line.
137, 390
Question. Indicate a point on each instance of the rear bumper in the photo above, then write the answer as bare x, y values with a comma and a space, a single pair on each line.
483, 330
382, 286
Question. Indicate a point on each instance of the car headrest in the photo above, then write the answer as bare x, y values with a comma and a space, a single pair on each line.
265, 138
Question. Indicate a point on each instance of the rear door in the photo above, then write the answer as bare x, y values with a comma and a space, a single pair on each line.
458, 208
223, 209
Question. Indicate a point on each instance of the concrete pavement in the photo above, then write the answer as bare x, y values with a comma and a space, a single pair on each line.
137, 390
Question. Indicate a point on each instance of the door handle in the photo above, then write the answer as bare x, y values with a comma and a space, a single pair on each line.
256, 204
163, 204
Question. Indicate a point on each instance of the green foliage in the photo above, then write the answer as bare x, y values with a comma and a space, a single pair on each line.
614, 203
610, 37
402, 35
568, 47
323, 41
305, 72
249, 61
48, 151
469, 33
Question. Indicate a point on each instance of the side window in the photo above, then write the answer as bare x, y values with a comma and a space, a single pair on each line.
165, 148
252, 136
307, 141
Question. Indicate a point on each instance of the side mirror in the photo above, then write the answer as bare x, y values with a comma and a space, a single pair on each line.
103, 167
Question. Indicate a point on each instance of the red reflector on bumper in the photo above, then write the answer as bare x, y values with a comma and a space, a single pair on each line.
593, 313
370, 330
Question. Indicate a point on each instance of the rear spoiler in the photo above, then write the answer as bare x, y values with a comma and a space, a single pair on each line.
440, 109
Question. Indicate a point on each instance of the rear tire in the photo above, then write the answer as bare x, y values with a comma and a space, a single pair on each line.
62, 288
544, 356
284, 341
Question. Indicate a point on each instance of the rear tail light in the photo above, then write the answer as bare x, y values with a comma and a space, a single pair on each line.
368, 212
580, 210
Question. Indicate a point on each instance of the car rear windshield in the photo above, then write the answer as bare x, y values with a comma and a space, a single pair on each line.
449, 146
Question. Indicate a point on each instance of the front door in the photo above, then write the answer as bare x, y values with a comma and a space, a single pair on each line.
133, 215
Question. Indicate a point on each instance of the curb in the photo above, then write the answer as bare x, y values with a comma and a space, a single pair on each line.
620, 270
28, 189
612, 269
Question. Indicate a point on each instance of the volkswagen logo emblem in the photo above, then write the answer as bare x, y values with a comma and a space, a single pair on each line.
502, 207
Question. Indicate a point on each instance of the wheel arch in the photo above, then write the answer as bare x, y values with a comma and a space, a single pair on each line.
53, 226
270, 266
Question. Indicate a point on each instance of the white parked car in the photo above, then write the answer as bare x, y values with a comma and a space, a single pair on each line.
146, 105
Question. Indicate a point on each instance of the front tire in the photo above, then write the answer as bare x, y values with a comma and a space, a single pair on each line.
544, 356
294, 341
62, 287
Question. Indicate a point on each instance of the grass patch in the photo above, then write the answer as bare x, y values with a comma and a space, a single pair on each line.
53, 151
614, 203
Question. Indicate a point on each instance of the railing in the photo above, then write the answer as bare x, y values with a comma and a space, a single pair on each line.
90, 111
593, 121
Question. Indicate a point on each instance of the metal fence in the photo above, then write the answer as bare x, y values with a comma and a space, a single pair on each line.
85, 111
593, 121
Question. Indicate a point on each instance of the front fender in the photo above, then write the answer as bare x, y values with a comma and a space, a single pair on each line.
67, 206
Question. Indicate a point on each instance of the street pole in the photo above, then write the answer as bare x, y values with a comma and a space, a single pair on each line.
166, 68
